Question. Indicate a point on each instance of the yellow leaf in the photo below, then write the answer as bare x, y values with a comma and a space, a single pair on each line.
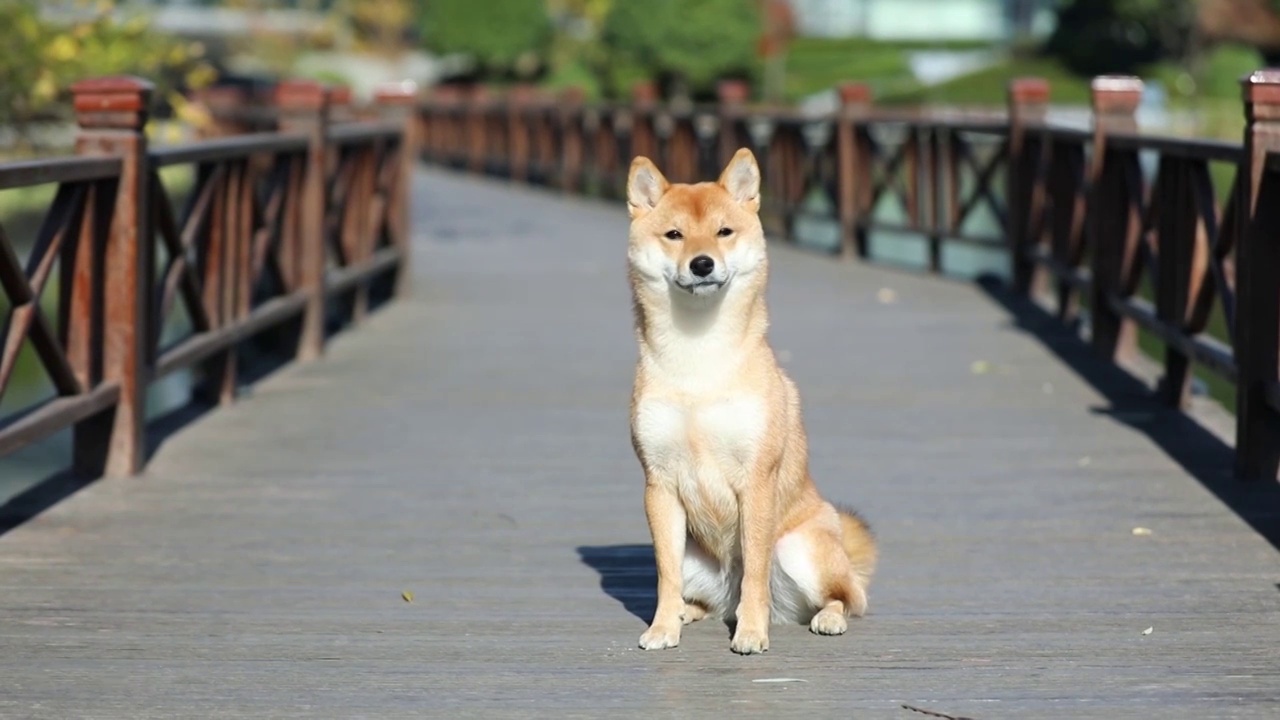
407, 595
62, 48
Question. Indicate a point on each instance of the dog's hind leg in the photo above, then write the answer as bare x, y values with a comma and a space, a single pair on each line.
825, 588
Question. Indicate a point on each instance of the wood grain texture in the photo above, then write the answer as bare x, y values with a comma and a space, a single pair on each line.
470, 445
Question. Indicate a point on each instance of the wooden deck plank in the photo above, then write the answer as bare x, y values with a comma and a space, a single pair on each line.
470, 445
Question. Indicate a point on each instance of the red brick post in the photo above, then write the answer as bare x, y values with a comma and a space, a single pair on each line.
112, 113
1028, 102
1115, 222
853, 170
1257, 331
304, 108
399, 101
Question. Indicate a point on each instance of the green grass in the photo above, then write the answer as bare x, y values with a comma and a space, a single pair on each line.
989, 87
816, 64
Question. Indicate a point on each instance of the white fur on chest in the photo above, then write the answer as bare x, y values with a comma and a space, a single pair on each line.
701, 440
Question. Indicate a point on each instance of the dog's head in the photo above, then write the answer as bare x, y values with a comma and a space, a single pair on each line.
699, 238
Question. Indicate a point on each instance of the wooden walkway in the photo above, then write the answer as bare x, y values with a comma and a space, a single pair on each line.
470, 446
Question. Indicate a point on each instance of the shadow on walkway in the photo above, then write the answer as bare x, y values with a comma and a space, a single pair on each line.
627, 574
1201, 453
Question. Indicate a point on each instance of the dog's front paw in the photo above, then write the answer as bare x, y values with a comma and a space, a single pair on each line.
660, 637
749, 642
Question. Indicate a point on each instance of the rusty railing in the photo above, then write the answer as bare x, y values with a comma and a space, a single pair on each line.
1168, 237
287, 230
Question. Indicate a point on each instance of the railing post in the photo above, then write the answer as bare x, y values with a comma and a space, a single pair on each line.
519, 141
853, 173
732, 96
1257, 331
226, 106
111, 114
304, 108
1115, 219
477, 138
644, 105
399, 102
1028, 101
571, 141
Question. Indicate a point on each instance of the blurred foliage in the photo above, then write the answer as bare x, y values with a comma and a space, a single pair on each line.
506, 39
41, 60
380, 26
816, 64
1096, 37
685, 44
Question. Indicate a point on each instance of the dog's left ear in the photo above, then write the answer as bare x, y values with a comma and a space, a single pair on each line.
741, 177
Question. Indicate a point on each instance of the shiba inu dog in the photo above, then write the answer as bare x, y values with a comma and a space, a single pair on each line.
739, 530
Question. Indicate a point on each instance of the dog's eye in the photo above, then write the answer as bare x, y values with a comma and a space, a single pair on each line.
674, 235
725, 232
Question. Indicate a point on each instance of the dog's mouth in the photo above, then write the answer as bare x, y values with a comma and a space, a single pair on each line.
702, 286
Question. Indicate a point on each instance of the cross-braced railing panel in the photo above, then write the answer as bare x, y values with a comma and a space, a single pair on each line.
53, 302
227, 262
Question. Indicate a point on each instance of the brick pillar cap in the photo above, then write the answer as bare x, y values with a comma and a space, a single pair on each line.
299, 94
1116, 93
404, 91
733, 91
340, 94
854, 93
112, 102
1029, 90
1262, 87
112, 94
644, 92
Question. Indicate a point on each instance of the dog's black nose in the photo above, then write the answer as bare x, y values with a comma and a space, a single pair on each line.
702, 265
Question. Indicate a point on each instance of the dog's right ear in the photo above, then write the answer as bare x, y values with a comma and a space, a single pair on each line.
645, 186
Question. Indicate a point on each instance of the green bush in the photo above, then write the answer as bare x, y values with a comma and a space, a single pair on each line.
689, 43
1096, 37
40, 60
504, 38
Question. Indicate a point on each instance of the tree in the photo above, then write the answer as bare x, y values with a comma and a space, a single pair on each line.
504, 38
1095, 37
41, 60
686, 44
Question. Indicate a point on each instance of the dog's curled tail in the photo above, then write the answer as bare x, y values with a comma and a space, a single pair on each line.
859, 544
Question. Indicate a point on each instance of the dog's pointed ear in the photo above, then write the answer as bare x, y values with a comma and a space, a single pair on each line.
645, 186
741, 177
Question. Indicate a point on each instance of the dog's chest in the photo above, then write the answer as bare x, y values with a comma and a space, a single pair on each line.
695, 438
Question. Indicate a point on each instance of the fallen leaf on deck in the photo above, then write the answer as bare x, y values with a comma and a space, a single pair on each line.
1148, 631
407, 595
1141, 531
886, 296
980, 367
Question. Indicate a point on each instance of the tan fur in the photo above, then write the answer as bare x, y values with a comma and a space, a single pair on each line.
739, 528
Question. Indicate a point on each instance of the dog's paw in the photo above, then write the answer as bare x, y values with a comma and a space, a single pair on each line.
660, 637
828, 622
747, 642
693, 613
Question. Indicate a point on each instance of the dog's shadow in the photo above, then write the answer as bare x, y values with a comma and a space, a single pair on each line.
627, 574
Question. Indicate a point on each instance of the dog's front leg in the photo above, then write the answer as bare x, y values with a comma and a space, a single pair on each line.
757, 522
667, 526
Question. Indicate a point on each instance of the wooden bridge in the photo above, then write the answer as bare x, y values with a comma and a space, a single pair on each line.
435, 511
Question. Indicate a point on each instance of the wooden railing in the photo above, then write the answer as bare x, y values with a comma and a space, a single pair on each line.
1136, 230
287, 229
